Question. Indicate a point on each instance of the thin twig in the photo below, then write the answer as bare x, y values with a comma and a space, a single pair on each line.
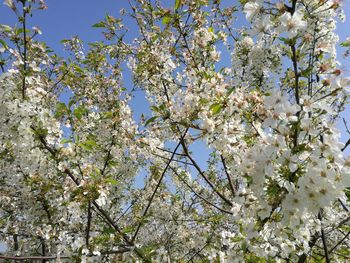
199, 195
157, 186
228, 176
203, 174
323, 237
89, 215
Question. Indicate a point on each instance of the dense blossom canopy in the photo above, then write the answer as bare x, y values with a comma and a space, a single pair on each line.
275, 186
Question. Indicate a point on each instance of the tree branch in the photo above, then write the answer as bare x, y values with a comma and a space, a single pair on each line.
200, 196
203, 174
323, 237
23, 20
89, 215
228, 176
157, 186
102, 212
24, 258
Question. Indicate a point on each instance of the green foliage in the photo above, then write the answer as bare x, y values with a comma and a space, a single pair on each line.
80, 111
167, 19
215, 108
61, 110
64, 141
3, 43
177, 4
345, 44
6, 28
99, 24
150, 120
89, 145
112, 181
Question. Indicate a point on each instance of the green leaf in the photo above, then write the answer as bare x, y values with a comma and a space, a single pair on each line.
64, 141
345, 44
88, 145
78, 69
79, 112
71, 102
5, 28
112, 181
99, 24
345, 228
229, 92
288, 41
155, 108
61, 109
3, 43
243, 2
150, 120
211, 29
108, 230
177, 4
162, 107
237, 239
306, 72
41, 132
166, 20
128, 229
19, 31
215, 108
244, 246
107, 115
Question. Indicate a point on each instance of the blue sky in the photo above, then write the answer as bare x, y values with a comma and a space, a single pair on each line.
67, 18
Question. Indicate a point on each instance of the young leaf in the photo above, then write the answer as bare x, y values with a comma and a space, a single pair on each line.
89, 145
79, 112
112, 181
150, 120
5, 28
215, 108
166, 20
64, 141
3, 43
177, 4
99, 24
229, 92
61, 109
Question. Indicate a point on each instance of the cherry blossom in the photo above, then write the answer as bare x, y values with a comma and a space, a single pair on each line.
236, 158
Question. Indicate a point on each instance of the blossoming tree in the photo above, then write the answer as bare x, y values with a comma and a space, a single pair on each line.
274, 187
